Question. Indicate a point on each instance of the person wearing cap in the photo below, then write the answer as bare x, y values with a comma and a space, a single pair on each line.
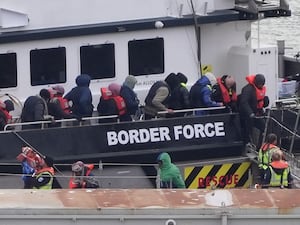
201, 91
81, 97
158, 96
5, 117
225, 91
82, 176
58, 92
130, 98
35, 109
252, 102
278, 174
169, 173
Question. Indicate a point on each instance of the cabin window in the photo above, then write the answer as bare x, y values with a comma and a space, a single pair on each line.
8, 70
98, 61
48, 66
146, 56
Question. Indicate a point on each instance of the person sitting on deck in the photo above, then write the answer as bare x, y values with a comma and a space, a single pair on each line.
82, 176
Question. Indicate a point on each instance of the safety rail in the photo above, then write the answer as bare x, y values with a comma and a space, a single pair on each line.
193, 110
63, 122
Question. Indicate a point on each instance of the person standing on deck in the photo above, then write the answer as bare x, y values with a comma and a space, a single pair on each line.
265, 154
225, 91
5, 117
169, 173
252, 102
158, 96
81, 97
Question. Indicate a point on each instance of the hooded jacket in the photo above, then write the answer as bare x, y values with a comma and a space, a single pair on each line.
170, 175
200, 94
81, 97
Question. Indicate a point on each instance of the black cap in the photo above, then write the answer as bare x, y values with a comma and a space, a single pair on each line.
259, 80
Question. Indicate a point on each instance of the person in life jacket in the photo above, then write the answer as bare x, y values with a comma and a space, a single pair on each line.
225, 91
265, 153
278, 173
111, 103
29, 159
252, 102
5, 117
58, 92
200, 93
44, 174
82, 176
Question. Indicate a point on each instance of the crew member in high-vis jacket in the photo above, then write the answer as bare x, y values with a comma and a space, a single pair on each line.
278, 174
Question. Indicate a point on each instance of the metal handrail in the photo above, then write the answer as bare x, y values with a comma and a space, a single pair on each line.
44, 122
192, 110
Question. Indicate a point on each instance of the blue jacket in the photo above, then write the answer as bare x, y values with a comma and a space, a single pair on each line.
81, 97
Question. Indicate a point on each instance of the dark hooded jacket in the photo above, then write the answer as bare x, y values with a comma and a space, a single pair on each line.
81, 97
170, 175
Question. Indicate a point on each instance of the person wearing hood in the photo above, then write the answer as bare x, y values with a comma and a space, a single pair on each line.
158, 96
252, 102
111, 103
130, 98
81, 97
169, 173
201, 91
35, 109
5, 117
278, 174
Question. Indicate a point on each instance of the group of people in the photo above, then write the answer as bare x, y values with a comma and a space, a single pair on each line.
38, 172
274, 169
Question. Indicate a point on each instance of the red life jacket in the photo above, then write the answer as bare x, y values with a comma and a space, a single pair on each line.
267, 146
64, 104
73, 184
260, 93
119, 101
281, 164
227, 97
7, 115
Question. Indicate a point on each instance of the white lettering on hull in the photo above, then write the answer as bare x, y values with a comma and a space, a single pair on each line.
161, 134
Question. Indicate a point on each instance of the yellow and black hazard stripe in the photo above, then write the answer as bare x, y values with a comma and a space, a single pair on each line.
229, 175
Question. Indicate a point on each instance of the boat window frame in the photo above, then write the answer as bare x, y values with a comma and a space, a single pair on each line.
8, 70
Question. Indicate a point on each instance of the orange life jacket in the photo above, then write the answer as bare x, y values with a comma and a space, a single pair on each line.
119, 101
260, 93
227, 97
267, 146
64, 104
281, 164
73, 184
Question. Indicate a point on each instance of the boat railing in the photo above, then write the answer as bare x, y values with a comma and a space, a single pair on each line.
94, 120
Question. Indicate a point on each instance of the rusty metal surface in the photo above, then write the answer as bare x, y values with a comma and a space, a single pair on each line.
239, 201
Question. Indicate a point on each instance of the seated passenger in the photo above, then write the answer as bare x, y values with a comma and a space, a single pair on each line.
158, 96
130, 98
225, 91
5, 117
111, 103
200, 93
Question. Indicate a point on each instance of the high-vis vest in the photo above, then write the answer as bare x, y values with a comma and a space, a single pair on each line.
279, 180
46, 171
265, 155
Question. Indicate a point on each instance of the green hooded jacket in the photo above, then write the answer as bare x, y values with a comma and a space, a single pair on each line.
170, 175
